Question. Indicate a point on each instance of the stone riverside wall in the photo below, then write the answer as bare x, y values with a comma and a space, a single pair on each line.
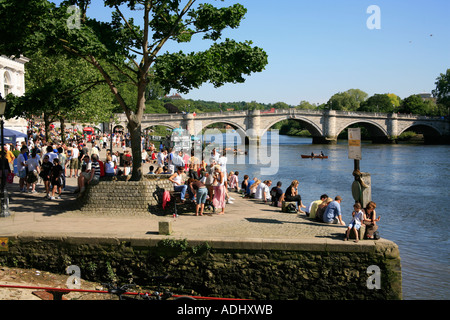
117, 197
273, 271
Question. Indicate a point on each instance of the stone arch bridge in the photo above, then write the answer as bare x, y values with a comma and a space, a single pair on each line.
324, 126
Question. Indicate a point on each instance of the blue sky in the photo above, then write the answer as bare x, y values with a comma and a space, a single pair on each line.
318, 48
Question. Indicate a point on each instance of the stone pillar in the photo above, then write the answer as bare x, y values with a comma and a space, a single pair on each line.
189, 123
329, 127
253, 127
392, 127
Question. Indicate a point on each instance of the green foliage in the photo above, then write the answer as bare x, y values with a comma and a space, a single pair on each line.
407, 135
378, 103
416, 105
305, 105
291, 128
395, 100
175, 247
181, 245
110, 273
442, 91
222, 63
344, 101
359, 95
39, 24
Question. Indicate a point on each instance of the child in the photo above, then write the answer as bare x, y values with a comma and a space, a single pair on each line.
234, 180
355, 224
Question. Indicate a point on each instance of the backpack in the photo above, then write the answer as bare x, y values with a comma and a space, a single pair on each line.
291, 208
376, 235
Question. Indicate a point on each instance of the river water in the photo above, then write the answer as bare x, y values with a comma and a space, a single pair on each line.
410, 185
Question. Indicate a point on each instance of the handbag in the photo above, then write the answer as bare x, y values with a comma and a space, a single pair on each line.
10, 177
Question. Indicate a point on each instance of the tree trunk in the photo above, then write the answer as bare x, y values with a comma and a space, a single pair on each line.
63, 129
134, 128
47, 128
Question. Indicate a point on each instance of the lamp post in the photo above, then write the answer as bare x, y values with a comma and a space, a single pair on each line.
4, 210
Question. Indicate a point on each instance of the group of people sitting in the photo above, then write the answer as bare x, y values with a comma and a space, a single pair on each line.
328, 210
258, 189
324, 210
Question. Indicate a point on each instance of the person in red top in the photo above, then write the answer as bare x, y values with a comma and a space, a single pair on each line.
102, 168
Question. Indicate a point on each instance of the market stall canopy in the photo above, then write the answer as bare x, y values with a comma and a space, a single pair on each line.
11, 136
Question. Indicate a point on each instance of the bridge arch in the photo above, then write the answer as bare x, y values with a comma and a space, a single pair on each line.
311, 126
120, 127
430, 133
147, 125
377, 132
235, 125
240, 136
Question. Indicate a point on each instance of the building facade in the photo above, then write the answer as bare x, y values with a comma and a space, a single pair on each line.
12, 80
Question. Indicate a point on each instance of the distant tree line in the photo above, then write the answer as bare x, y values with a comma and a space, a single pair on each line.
436, 104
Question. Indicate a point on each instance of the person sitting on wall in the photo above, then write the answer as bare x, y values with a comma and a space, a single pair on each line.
178, 184
291, 194
276, 194
312, 209
370, 219
355, 224
333, 213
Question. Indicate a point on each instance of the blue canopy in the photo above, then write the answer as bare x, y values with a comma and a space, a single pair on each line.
10, 136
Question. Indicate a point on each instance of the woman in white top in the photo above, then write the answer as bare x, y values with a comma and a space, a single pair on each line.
178, 185
109, 167
33, 172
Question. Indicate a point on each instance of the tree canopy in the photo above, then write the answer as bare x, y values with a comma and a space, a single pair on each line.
134, 49
442, 91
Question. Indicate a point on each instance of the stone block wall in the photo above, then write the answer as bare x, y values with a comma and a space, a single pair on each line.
220, 270
126, 197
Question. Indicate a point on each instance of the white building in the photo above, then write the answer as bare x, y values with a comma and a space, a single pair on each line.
12, 80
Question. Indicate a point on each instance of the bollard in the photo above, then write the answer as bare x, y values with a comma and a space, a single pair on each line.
165, 227
361, 188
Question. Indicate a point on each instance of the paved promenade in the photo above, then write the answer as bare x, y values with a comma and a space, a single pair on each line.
244, 221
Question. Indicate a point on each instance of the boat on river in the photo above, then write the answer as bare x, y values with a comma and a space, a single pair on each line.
305, 156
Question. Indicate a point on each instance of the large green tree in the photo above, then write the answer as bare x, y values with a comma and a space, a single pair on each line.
342, 101
442, 91
415, 104
378, 103
349, 100
134, 48
62, 88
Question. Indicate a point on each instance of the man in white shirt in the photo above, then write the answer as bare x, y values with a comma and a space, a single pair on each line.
161, 157
51, 154
263, 192
74, 163
214, 156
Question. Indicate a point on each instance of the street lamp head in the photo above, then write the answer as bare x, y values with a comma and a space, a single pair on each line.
2, 105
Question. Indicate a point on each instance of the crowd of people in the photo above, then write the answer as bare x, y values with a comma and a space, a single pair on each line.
52, 162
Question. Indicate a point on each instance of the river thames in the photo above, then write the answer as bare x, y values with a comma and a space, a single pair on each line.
410, 185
